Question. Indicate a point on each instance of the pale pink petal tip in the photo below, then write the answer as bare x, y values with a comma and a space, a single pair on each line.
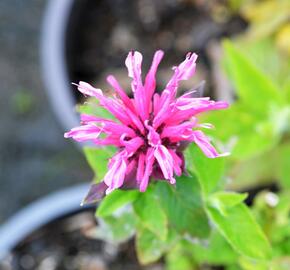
150, 130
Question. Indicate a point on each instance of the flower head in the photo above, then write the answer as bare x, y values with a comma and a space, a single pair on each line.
151, 130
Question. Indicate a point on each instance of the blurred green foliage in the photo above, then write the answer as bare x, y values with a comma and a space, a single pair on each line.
22, 102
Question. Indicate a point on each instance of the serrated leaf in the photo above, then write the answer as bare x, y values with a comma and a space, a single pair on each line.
209, 171
98, 159
116, 200
241, 230
148, 209
183, 206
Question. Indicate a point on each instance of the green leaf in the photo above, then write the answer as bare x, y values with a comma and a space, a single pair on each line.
223, 200
286, 90
150, 248
278, 70
258, 170
208, 170
241, 230
92, 107
216, 252
251, 136
281, 263
117, 229
183, 206
283, 165
254, 88
116, 200
250, 264
148, 209
179, 258
98, 159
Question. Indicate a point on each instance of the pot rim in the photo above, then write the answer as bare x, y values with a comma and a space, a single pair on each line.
53, 62
40, 213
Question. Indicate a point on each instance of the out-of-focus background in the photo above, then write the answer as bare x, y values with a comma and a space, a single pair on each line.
46, 45
35, 158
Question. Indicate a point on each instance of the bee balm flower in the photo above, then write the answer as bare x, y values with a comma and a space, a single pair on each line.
150, 130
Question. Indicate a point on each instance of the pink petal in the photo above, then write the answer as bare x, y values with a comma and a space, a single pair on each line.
165, 162
183, 113
116, 174
84, 133
87, 118
118, 129
89, 90
131, 168
110, 140
132, 145
116, 109
126, 100
164, 111
136, 121
177, 162
156, 100
148, 169
187, 68
183, 72
153, 137
181, 130
133, 63
204, 144
150, 81
141, 167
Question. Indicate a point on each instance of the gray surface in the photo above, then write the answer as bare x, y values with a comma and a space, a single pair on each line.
33, 217
34, 157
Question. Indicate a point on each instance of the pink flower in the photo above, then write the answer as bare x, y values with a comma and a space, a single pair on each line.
151, 129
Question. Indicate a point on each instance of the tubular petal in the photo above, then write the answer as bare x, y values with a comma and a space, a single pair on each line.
151, 130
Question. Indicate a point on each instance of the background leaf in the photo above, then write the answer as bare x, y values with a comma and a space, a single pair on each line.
115, 200
253, 87
92, 107
216, 252
98, 160
241, 231
208, 170
223, 200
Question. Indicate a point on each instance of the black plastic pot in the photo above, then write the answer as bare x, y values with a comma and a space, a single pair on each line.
38, 214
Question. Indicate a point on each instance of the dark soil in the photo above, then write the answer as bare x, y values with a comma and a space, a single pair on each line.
67, 244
